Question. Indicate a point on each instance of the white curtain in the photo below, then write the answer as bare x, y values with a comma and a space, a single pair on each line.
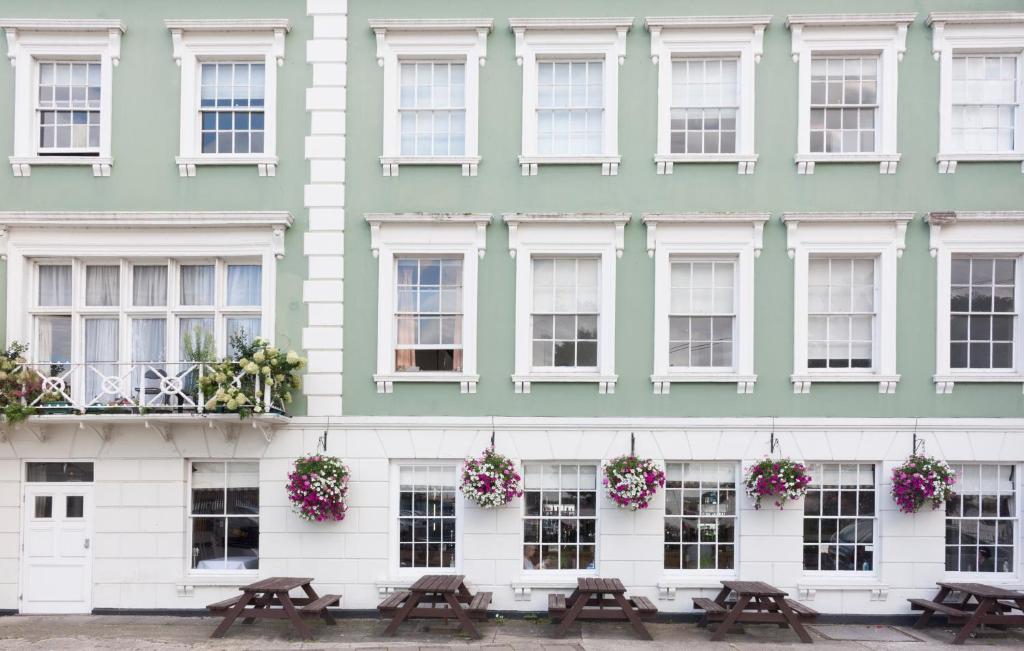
249, 326
100, 357
244, 284
54, 337
54, 285
197, 283
149, 286
195, 339
102, 284
148, 339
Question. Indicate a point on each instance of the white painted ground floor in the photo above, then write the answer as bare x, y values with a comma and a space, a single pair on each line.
176, 515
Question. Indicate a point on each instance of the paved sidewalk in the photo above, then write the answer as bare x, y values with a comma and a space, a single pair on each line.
80, 632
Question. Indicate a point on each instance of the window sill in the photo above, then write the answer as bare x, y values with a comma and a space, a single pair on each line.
809, 587
948, 162
669, 585
386, 381
944, 383
886, 162
22, 165
390, 164
744, 162
802, 381
663, 383
186, 586
265, 165
524, 586
605, 383
609, 163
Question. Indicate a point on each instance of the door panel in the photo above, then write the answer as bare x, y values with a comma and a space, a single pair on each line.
57, 561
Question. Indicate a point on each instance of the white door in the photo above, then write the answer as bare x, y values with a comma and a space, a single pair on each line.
57, 555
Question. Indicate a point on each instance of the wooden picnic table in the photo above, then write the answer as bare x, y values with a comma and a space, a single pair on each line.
448, 598
588, 602
269, 599
992, 605
756, 603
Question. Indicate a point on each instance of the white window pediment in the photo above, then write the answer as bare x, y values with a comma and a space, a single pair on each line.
451, 52
216, 130
42, 52
558, 55
981, 72
870, 243
735, 45
859, 50
716, 242
978, 236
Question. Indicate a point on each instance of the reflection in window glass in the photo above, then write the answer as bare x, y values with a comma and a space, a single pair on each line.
560, 518
428, 314
432, 108
224, 509
839, 517
985, 102
700, 516
705, 103
702, 314
570, 107
57, 471
566, 307
844, 104
74, 506
982, 312
981, 519
231, 108
426, 516
840, 312
44, 506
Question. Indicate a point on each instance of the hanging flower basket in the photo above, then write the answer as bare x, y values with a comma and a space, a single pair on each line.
317, 488
922, 479
632, 482
781, 479
491, 480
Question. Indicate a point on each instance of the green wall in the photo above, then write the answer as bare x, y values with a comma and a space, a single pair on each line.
145, 135
775, 187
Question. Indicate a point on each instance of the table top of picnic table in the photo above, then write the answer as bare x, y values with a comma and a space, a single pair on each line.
594, 584
277, 584
754, 588
435, 583
982, 590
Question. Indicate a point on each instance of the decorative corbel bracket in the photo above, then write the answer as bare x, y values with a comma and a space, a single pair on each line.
652, 241
278, 48
12, 44
620, 43
666, 593
521, 386
513, 240
655, 31
38, 430
758, 43
520, 34
758, 238
385, 386
177, 45
796, 42
791, 239
936, 220
163, 429
114, 42
375, 239
901, 238
481, 239
265, 429
4, 240
277, 242
522, 593
228, 430
104, 431
620, 238
467, 386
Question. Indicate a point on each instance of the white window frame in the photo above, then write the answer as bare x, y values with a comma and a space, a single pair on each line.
880, 235
195, 42
571, 235
541, 577
680, 37
548, 39
434, 234
817, 578
882, 35
394, 499
983, 32
189, 570
31, 41
982, 233
1013, 576
673, 578
412, 40
738, 237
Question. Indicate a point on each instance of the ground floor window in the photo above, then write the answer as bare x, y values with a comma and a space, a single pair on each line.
981, 519
700, 516
560, 517
224, 514
426, 516
839, 517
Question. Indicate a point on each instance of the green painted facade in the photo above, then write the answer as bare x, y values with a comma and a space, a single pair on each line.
144, 176
775, 187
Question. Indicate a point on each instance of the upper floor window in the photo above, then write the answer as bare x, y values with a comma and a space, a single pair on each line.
431, 90
840, 516
985, 102
63, 84
565, 312
224, 516
844, 104
983, 312
982, 519
570, 90
705, 103
428, 314
559, 516
228, 91
840, 312
702, 314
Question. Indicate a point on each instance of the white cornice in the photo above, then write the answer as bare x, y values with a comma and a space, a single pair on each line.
755, 219
847, 217
62, 24
709, 22
476, 220
240, 25
431, 24
124, 219
846, 20
570, 23
936, 220
975, 17
566, 217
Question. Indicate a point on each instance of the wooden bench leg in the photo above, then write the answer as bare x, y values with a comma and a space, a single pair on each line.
402, 613
232, 615
730, 618
984, 606
467, 624
571, 613
794, 621
296, 619
632, 616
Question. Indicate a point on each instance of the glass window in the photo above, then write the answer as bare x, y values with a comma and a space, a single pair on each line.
432, 108
560, 517
68, 107
982, 312
58, 471
428, 314
705, 104
231, 108
224, 510
426, 516
197, 284
840, 312
54, 285
839, 518
702, 313
74, 506
981, 519
149, 285
570, 107
43, 507
700, 516
102, 285
244, 284
985, 102
844, 104
566, 307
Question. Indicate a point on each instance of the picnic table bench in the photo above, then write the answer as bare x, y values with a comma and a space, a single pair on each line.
448, 598
756, 603
992, 605
269, 599
588, 602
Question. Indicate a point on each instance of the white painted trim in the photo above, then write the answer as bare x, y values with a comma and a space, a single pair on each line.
547, 38
404, 576
32, 40
702, 36
881, 34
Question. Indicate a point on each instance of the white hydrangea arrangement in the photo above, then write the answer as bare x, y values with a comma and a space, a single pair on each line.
240, 385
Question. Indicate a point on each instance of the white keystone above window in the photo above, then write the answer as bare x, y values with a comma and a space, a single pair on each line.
980, 288
706, 88
228, 91
844, 297
427, 296
63, 83
431, 90
848, 84
570, 90
981, 91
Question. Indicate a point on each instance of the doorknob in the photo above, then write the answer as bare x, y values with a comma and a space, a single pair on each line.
86, 545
